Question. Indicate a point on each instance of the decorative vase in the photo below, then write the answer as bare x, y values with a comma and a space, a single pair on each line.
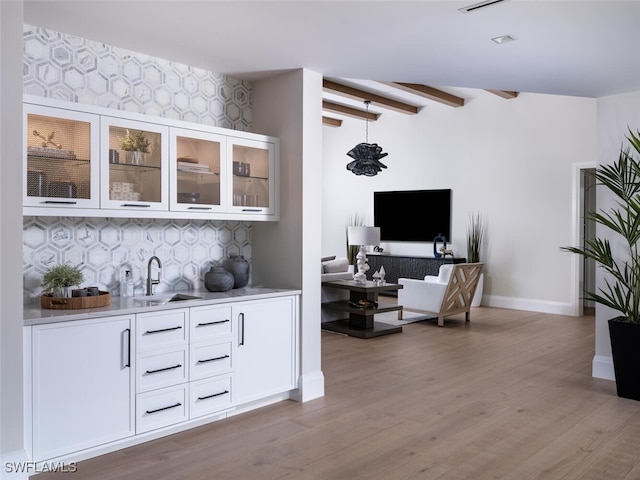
218, 280
239, 268
135, 157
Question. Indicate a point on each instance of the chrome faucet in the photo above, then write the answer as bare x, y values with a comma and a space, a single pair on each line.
150, 282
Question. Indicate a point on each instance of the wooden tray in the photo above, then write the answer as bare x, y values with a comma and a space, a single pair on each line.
73, 303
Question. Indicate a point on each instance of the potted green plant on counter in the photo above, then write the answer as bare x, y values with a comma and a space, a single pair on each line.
59, 278
475, 237
136, 145
621, 290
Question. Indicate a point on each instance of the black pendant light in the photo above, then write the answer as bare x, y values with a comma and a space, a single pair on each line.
366, 155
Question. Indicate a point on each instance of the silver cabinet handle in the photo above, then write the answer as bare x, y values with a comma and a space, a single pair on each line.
241, 320
126, 348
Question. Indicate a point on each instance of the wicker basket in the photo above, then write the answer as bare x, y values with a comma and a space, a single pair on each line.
73, 303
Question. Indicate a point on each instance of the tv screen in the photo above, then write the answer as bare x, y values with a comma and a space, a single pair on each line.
412, 215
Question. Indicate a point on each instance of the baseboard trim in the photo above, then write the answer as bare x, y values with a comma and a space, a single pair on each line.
310, 387
527, 304
602, 367
16, 466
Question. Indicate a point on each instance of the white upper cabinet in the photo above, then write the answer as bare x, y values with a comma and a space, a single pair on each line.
110, 163
252, 182
135, 175
61, 151
198, 165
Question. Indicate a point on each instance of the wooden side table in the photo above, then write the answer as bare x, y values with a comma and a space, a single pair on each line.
361, 321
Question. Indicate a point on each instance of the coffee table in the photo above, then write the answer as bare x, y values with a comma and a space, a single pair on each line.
361, 321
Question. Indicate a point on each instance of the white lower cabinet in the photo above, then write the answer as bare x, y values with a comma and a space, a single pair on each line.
96, 381
82, 385
161, 408
266, 348
210, 395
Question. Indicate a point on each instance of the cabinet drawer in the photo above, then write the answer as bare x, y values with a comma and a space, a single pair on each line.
209, 360
161, 329
161, 370
209, 322
209, 396
161, 408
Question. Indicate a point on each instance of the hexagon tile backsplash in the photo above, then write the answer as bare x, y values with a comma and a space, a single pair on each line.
66, 67
105, 247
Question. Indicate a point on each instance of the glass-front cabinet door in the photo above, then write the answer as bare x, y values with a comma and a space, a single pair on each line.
135, 165
61, 158
197, 167
252, 165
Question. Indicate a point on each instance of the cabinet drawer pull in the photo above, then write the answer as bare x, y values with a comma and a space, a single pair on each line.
149, 372
199, 208
150, 332
136, 205
149, 412
241, 320
213, 395
213, 359
212, 323
251, 209
60, 202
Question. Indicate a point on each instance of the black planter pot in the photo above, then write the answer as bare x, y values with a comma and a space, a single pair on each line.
625, 339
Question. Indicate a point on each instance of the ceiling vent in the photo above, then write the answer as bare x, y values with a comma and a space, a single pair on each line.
478, 6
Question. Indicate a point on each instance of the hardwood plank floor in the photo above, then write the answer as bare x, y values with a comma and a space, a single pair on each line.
507, 396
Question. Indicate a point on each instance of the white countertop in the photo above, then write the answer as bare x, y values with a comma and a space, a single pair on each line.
35, 315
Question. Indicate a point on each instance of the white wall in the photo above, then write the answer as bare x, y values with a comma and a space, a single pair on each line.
614, 115
287, 253
511, 160
11, 399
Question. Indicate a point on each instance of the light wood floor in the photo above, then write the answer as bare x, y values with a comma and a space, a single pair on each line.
507, 396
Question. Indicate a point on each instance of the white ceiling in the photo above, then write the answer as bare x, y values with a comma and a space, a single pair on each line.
576, 48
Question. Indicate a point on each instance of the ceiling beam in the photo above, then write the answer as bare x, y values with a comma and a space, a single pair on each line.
349, 112
331, 122
504, 93
428, 92
378, 100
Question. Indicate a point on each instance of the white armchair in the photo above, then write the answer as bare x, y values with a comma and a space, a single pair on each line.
447, 294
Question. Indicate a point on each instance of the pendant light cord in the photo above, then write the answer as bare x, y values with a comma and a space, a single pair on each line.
366, 135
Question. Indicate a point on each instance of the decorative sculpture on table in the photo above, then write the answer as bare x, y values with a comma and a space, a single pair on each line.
436, 251
363, 236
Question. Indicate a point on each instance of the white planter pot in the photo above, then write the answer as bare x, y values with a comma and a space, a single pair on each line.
477, 297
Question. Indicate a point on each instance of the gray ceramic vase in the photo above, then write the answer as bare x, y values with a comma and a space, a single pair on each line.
239, 268
218, 280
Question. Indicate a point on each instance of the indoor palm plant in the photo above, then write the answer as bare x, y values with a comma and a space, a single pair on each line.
621, 290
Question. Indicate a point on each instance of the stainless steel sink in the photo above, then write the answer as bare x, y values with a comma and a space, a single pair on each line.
161, 299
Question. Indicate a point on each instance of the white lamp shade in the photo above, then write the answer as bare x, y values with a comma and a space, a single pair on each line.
364, 236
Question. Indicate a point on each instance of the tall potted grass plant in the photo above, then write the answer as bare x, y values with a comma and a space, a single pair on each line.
475, 237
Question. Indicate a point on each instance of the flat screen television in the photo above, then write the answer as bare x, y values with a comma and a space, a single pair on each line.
412, 215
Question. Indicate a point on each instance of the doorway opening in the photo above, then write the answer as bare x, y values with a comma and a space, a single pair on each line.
584, 229
588, 282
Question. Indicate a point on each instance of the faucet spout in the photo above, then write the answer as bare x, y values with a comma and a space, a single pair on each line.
151, 282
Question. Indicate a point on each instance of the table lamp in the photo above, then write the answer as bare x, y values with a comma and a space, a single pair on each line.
363, 236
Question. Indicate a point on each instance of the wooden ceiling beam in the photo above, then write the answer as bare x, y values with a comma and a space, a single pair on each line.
428, 92
348, 111
378, 100
504, 93
331, 122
